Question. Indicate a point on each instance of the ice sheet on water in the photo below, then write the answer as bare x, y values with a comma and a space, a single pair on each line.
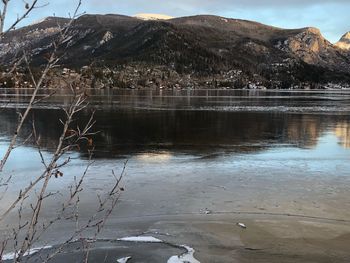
294, 109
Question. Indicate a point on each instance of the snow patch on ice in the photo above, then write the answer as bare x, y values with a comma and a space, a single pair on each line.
32, 251
187, 257
241, 225
184, 258
148, 239
123, 260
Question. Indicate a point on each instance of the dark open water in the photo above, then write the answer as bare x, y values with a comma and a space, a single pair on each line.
226, 128
200, 122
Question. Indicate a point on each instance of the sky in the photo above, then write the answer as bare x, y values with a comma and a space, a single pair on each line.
330, 16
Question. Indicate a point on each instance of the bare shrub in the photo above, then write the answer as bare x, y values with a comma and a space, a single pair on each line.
28, 205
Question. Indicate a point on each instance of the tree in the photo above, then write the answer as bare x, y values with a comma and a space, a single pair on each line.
31, 229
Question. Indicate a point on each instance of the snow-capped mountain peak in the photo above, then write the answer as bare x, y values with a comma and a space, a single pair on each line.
146, 16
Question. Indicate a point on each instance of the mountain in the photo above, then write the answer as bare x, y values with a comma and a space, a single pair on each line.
344, 42
201, 44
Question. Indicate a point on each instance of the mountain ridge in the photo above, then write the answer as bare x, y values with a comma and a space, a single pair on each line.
202, 44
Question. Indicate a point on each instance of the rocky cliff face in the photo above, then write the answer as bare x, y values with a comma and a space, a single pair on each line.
311, 47
344, 42
197, 44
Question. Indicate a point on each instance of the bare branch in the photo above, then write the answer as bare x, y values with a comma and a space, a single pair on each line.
28, 9
29, 230
52, 61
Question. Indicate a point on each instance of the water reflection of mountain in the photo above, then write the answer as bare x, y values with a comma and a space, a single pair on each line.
130, 131
304, 130
342, 131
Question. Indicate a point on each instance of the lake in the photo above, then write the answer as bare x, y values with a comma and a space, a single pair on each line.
194, 153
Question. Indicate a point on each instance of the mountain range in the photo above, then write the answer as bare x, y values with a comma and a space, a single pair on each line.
202, 44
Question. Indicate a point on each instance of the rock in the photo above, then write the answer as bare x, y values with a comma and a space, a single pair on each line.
344, 42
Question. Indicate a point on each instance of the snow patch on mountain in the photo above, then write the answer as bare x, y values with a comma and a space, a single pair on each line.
145, 16
107, 37
38, 21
